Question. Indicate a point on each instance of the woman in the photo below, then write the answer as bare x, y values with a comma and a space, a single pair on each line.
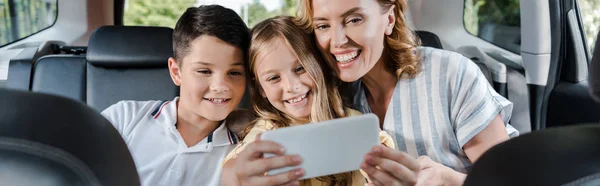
436, 104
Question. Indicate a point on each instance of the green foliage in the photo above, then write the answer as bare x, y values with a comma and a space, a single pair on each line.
166, 12
34, 15
257, 12
507, 12
289, 7
155, 12
590, 13
471, 18
30, 16
479, 12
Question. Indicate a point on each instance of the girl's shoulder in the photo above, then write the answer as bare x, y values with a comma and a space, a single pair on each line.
352, 112
263, 124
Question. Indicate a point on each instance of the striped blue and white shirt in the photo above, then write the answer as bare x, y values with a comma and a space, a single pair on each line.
441, 109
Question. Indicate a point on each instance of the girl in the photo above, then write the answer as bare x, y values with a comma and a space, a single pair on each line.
289, 87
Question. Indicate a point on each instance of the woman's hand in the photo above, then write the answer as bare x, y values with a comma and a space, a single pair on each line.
250, 166
389, 167
386, 166
433, 173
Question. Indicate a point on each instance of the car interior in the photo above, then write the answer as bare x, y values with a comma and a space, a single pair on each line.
88, 57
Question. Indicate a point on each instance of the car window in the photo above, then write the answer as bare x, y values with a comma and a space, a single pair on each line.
495, 21
166, 13
22, 18
590, 15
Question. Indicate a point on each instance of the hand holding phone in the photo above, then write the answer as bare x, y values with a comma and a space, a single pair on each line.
328, 147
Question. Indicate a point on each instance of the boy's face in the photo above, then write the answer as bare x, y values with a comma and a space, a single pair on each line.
211, 77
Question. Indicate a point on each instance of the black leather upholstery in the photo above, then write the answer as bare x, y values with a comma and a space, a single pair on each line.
129, 63
130, 46
553, 156
107, 86
31, 163
429, 39
62, 75
19, 74
50, 140
594, 72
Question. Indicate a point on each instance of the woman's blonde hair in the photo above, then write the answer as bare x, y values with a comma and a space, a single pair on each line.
326, 100
401, 57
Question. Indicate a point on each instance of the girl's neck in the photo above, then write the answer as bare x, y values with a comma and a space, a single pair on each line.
298, 121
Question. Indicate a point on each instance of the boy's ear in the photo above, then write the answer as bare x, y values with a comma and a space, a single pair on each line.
175, 71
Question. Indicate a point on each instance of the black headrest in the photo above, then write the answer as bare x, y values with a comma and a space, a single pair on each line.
594, 72
429, 39
59, 141
555, 156
130, 46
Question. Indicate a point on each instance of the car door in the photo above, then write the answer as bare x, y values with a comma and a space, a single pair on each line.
567, 100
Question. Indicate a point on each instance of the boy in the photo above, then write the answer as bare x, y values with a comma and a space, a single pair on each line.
184, 141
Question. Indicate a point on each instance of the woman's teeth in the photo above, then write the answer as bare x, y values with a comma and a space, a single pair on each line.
344, 58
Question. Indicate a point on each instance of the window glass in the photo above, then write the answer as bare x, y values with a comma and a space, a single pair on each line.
166, 12
22, 18
496, 21
590, 13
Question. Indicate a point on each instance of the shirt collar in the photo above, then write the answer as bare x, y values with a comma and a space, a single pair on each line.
166, 112
218, 138
221, 136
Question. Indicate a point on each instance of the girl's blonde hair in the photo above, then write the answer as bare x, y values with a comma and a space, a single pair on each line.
400, 51
326, 100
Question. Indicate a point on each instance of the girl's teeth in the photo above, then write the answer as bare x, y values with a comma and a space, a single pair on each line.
297, 99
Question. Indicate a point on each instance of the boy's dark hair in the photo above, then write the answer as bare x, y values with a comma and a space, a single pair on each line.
212, 20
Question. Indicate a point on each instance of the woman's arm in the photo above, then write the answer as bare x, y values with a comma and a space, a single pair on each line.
491, 135
394, 167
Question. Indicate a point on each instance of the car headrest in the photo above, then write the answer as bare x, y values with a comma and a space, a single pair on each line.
130, 46
594, 71
51, 140
554, 156
429, 39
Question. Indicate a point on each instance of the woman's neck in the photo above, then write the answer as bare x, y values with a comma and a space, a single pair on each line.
379, 81
380, 84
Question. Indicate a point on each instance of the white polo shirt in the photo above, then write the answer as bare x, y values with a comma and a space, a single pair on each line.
159, 152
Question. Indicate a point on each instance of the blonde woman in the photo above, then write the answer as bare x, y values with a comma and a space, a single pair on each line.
290, 86
436, 104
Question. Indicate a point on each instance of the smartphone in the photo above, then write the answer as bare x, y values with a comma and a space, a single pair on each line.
327, 147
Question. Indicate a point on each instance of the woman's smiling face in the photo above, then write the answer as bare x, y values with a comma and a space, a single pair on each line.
351, 34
